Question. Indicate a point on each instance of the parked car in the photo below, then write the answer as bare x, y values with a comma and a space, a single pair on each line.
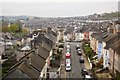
68, 47
68, 67
67, 55
68, 50
68, 43
79, 53
77, 46
2, 43
78, 49
68, 61
81, 59
85, 73
88, 77
9, 43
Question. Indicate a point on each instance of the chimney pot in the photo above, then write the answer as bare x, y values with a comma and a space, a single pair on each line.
28, 60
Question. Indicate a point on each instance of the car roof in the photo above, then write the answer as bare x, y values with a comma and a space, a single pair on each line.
67, 59
79, 51
67, 52
68, 45
67, 64
87, 76
78, 44
68, 49
84, 69
81, 57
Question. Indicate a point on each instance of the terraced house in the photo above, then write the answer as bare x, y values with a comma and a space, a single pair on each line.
34, 63
106, 45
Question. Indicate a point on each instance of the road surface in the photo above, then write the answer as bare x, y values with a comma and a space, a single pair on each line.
76, 65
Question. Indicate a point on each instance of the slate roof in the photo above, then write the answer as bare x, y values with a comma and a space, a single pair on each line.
94, 28
51, 37
19, 75
94, 34
46, 46
24, 70
42, 37
104, 35
100, 36
78, 30
116, 46
31, 65
111, 39
108, 37
43, 52
84, 29
69, 30
28, 70
34, 59
52, 32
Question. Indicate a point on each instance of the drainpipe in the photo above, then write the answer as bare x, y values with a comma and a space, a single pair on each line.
113, 61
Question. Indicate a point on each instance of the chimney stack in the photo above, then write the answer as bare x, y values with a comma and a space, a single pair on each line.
28, 60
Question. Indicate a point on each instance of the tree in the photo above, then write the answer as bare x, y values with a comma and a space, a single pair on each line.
19, 24
25, 31
14, 28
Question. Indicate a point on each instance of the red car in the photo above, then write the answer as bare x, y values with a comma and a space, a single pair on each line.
67, 55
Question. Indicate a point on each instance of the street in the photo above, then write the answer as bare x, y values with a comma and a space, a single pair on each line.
76, 65
57, 39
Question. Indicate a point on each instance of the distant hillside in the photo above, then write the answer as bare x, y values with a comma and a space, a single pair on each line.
111, 15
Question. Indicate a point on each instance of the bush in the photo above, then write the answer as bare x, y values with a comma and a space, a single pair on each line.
61, 46
117, 77
88, 51
59, 51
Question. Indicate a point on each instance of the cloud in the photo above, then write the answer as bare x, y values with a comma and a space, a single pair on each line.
59, 0
55, 9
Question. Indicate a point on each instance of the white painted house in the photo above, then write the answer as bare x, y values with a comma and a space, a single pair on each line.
79, 36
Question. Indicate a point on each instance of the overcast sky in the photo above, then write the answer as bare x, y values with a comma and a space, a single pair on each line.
58, 8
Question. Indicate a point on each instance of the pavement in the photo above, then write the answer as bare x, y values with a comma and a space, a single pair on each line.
103, 75
87, 64
62, 71
53, 73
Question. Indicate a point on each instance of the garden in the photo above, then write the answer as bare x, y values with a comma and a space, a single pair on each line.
88, 51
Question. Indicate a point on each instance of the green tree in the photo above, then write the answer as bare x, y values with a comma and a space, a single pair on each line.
19, 24
13, 28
